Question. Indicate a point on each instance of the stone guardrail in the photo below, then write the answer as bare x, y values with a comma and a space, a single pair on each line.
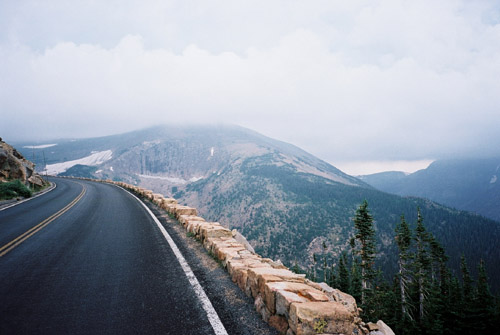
287, 301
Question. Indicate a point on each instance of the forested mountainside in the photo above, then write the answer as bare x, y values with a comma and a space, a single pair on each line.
467, 184
289, 204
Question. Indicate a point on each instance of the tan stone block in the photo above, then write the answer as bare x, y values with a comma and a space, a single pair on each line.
184, 219
284, 299
194, 226
148, 194
238, 269
258, 277
214, 229
225, 242
315, 317
169, 201
274, 289
184, 210
240, 276
170, 208
224, 254
336, 295
261, 308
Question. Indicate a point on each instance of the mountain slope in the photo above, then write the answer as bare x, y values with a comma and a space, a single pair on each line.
284, 200
466, 184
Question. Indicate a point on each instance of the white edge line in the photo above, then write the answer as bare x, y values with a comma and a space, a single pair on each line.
28, 199
212, 315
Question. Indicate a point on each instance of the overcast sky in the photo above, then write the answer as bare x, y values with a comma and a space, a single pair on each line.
349, 81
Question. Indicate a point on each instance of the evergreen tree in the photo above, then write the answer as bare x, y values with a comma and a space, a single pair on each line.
332, 278
344, 280
484, 306
356, 281
466, 312
422, 264
365, 234
403, 240
466, 280
438, 258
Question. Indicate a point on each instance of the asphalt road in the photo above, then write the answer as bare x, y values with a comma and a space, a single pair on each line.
101, 267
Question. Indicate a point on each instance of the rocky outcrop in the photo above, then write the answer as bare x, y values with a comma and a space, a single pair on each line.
14, 166
288, 301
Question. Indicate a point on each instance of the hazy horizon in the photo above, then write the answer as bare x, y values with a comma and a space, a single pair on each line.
378, 85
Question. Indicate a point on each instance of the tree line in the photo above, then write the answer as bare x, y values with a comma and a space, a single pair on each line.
425, 296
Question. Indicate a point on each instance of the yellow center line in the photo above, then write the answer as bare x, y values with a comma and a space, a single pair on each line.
23, 237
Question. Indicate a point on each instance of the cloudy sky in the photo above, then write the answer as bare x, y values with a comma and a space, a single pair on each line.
363, 85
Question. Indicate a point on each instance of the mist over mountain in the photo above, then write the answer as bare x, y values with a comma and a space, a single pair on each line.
288, 203
467, 184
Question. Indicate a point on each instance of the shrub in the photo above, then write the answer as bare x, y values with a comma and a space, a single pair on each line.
13, 189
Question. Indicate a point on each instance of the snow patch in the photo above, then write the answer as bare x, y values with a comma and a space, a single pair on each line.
98, 171
173, 180
94, 159
111, 168
493, 179
211, 151
43, 146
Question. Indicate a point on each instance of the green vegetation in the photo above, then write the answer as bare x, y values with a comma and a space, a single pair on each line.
13, 189
424, 297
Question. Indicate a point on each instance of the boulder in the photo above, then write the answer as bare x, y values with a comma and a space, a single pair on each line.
383, 328
14, 166
240, 238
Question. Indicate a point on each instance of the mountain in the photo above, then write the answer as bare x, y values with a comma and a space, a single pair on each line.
288, 203
467, 184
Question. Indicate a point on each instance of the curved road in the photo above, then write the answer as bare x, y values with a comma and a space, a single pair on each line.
101, 267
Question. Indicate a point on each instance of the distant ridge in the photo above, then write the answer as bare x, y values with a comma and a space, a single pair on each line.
288, 203
466, 184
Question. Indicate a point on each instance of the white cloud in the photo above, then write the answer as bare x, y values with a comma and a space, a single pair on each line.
345, 80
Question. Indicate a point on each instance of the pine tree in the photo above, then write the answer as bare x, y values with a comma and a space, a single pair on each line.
403, 240
422, 264
356, 281
466, 312
466, 280
344, 280
332, 277
365, 234
484, 306
438, 258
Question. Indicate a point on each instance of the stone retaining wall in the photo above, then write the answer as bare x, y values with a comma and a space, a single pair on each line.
288, 301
